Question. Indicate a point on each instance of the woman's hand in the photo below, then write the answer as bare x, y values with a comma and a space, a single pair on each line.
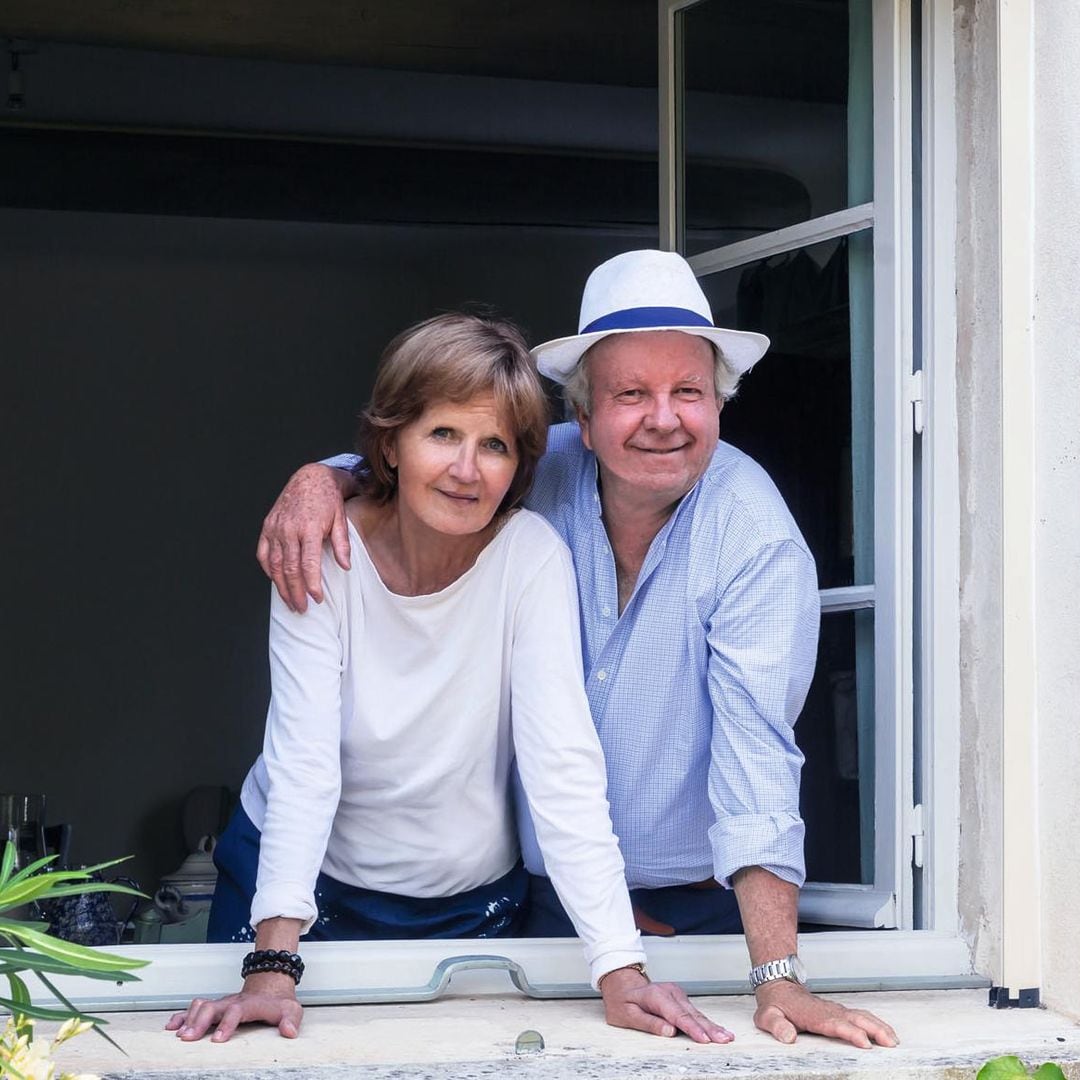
631, 1001
268, 996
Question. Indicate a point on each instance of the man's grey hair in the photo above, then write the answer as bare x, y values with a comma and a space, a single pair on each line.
577, 390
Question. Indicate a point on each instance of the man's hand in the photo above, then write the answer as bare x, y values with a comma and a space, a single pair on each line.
784, 1009
769, 909
309, 509
268, 997
631, 1001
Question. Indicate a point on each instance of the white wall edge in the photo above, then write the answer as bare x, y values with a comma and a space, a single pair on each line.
1021, 935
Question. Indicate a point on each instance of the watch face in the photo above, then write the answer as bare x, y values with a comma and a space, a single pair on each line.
798, 969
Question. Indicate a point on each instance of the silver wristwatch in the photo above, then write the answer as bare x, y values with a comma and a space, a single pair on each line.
790, 968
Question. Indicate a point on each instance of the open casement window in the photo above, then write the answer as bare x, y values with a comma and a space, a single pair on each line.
828, 227
845, 272
797, 260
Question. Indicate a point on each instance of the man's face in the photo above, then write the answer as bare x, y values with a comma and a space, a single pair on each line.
655, 418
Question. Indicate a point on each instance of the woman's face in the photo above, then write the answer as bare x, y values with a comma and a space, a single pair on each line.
454, 463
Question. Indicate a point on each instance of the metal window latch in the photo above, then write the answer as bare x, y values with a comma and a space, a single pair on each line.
918, 836
916, 397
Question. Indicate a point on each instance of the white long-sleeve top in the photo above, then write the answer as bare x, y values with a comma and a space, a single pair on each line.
391, 730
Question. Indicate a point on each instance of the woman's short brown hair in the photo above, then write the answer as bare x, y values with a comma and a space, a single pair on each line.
452, 357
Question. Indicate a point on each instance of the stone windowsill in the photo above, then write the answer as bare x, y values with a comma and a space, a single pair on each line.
944, 1034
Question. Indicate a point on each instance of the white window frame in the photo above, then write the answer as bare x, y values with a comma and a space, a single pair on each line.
940, 535
353, 972
910, 837
886, 902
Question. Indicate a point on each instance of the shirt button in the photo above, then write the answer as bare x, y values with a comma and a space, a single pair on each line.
601, 675
605, 611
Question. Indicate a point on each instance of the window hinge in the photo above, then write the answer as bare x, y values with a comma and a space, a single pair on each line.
918, 405
918, 836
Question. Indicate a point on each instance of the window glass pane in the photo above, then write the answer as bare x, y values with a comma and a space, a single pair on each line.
805, 412
777, 115
836, 733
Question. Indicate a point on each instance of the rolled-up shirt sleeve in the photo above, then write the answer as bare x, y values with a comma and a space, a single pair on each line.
561, 766
342, 461
301, 753
762, 640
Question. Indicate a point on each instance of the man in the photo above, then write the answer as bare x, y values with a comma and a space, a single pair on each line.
699, 617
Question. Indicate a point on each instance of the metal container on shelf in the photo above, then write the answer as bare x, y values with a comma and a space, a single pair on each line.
181, 905
191, 885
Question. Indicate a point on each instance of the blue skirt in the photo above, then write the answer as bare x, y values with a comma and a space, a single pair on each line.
348, 913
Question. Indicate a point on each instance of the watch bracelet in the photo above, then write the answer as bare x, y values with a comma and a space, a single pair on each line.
639, 967
770, 971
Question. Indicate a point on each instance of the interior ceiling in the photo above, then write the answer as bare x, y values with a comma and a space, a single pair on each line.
790, 48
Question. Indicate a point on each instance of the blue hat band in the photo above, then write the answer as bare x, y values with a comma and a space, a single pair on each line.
640, 318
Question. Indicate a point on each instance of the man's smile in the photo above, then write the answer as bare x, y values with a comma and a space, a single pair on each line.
661, 449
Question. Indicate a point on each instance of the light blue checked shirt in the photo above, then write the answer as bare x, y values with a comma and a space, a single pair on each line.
695, 688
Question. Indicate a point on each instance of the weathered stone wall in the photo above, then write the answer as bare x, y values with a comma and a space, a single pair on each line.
1055, 243
978, 387
1057, 488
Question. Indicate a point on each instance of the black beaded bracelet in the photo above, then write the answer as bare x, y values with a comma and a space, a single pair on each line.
287, 963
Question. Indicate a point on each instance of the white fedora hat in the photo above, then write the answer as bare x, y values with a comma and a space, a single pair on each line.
645, 290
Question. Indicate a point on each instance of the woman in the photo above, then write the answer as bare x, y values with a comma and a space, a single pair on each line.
379, 806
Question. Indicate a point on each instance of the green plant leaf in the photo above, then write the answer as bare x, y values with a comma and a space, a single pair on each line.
41, 888
34, 950
40, 1013
25, 880
20, 994
98, 1030
93, 886
1003, 1068
7, 936
18, 987
8, 863
33, 868
16, 960
79, 957
82, 874
25, 874
105, 865
10, 1070
1049, 1071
